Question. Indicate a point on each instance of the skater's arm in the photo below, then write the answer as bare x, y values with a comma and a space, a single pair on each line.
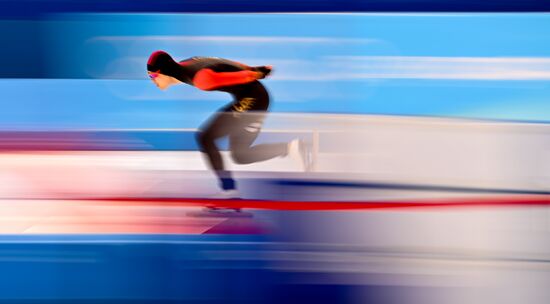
242, 65
207, 79
264, 69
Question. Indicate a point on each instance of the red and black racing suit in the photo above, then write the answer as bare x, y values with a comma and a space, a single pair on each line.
240, 121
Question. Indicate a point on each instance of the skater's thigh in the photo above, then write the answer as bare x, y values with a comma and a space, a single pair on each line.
221, 124
247, 130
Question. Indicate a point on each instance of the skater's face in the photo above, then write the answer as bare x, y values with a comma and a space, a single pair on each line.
160, 80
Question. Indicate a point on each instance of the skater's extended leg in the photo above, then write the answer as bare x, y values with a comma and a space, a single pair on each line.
240, 142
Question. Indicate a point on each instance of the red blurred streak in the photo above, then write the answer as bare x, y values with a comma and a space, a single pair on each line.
518, 201
42, 141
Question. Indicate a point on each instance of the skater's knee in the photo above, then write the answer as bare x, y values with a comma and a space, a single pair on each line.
203, 139
239, 157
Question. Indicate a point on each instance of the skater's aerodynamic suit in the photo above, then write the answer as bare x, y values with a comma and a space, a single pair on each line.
240, 120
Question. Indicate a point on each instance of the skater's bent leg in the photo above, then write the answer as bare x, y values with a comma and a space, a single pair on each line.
214, 160
219, 126
208, 146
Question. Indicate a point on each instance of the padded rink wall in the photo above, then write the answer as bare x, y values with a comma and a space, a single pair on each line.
436, 152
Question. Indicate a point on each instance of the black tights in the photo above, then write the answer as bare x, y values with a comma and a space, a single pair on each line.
242, 130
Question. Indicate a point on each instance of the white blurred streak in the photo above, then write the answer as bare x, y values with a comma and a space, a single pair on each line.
474, 68
373, 67
230, 39
332, 68
68, 174
130, 66
401, 150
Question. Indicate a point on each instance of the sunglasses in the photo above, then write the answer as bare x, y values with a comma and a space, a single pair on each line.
153, 75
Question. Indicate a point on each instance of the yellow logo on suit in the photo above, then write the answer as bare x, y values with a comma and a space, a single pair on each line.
244, 104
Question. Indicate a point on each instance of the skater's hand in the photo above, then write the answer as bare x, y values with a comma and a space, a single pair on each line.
263, 71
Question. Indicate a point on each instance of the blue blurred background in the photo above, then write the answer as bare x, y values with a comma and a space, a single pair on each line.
71, 71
